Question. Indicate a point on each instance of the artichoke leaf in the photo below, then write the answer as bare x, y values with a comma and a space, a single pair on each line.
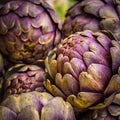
49, 58
107, 101
84, 99
53, 89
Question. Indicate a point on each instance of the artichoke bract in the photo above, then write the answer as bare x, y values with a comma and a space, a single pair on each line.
81, 68
23, 78
29, 29
111, 112
94, 15
35, 106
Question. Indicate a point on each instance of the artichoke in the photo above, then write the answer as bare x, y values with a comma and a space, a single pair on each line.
80, 69
111, 112
35, 106
29, 29
94, 15
24, 78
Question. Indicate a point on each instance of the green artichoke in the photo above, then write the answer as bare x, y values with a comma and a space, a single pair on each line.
24, 78
111, 112
35, 106
81, 68
29, 29
94, 15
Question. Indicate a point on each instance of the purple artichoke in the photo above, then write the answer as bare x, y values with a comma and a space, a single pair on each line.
81, 68
29, 29
23, 78
94, 15
35, 106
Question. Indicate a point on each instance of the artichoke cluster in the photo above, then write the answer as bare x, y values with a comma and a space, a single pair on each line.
59, 67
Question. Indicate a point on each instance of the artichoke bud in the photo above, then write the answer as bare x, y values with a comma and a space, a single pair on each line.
95, 16
22, 78
84, 70
29, 29
36, 106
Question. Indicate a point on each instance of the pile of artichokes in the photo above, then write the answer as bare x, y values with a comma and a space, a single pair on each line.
58, 64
